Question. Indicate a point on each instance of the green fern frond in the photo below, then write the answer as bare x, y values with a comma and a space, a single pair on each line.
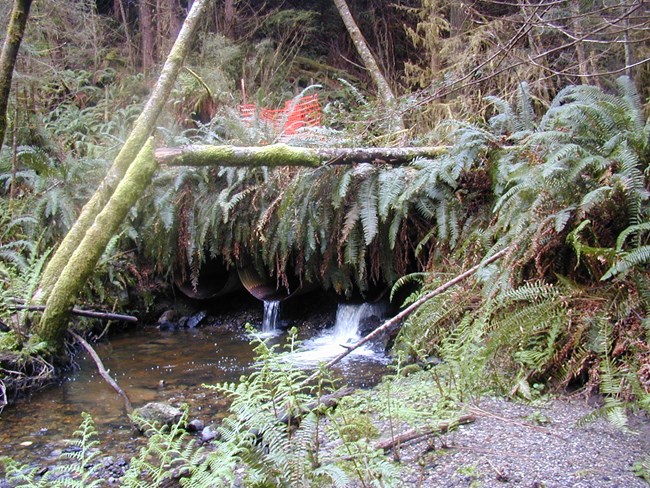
629, 260
367, 198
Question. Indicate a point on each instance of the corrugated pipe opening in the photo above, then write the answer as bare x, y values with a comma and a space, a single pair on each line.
266, 288
215, 279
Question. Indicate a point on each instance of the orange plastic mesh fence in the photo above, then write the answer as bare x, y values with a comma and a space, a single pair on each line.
286, 121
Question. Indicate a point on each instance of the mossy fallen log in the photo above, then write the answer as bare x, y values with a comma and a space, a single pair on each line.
284, 155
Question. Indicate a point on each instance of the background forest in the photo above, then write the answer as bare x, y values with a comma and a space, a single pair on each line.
540, 111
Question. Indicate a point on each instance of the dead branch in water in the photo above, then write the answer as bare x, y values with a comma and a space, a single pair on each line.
102, 371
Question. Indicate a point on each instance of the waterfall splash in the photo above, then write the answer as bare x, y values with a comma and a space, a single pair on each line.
347, 330
271, 313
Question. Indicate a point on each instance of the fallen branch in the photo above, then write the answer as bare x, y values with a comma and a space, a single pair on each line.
82, 313
413, 434
327, 401
388, 324
102, 371
284, 155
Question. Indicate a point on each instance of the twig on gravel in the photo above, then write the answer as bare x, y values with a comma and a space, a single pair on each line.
419, 433
493, 451
484, 413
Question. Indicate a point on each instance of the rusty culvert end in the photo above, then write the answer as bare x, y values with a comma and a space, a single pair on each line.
215, 279
265, 288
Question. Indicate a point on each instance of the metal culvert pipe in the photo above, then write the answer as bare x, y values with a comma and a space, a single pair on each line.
265, 288
215, 279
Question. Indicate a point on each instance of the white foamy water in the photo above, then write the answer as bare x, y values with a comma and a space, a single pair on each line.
332, 342
270, 320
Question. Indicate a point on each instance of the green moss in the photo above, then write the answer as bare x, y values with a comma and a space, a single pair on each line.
283, 155
79, 268
206, 155
273, 155
141, 130
9, 341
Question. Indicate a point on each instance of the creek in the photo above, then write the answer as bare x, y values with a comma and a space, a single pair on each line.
171, 366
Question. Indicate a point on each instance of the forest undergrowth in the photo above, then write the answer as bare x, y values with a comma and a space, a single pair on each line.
557, 173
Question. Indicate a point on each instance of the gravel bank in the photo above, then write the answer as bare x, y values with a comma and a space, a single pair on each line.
511, 444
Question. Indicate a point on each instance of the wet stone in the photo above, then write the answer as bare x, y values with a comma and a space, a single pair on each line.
208, 433
157, 413
196, 319
195, 425
166, 320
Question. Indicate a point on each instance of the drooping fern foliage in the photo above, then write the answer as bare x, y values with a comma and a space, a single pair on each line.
345, 227
501, 344
21, 264
571, 192
585, 160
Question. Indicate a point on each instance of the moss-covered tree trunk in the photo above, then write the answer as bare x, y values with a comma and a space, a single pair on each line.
74, 276
15, 32
142, 129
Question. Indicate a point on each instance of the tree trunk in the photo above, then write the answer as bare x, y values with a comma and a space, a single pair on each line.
385, 92
457, 18
54, 322
283, 155
146, 35
225, 18
175, 19
576, 25
142, 129
120, 13
15, 31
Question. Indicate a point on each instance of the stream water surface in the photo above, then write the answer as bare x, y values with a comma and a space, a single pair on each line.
152, 365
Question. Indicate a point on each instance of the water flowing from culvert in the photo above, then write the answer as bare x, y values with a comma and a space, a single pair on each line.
352, 321
150, 365
271, 314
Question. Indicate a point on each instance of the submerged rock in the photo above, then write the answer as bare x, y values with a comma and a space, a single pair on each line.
155, 413
166, 320
196, 319
368, 324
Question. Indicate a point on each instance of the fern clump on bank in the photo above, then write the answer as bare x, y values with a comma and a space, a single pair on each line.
568, 304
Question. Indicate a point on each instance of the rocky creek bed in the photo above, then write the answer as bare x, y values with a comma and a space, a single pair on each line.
508, 444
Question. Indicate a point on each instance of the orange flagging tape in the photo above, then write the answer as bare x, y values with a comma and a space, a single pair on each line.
286, 121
